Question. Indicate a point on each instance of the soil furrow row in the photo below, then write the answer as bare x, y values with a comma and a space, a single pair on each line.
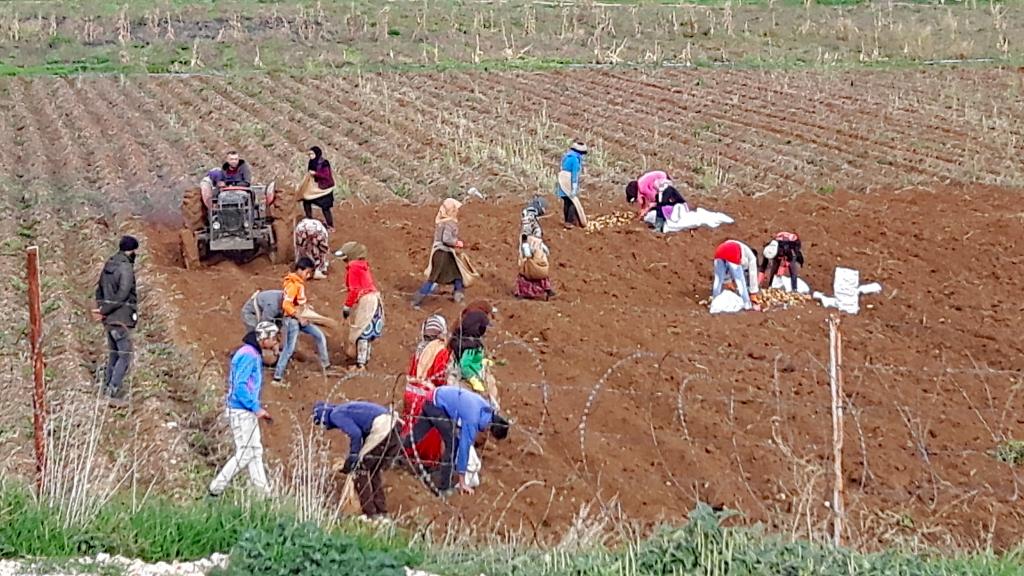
63, 153
107, 168
750, 161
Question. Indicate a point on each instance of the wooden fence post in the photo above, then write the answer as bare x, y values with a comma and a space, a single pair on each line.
835, 340
35, 319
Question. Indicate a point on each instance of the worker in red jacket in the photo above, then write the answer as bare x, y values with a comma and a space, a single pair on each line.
428, 371
364, 307
736, 260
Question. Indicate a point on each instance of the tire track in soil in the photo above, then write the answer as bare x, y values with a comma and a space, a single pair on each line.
93, 136
741, 86
636, 121
341, 151
210, 109
751, 162
63, 161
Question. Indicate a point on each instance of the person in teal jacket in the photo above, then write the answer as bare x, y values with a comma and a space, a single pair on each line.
567, 186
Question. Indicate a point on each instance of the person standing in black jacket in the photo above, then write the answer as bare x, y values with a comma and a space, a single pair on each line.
117, 309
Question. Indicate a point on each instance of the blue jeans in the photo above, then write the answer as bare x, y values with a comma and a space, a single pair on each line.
724, 267
429, 286
291, 338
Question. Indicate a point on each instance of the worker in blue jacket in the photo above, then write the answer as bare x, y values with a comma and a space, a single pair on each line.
567, 185
245, 410
373, 444
454, 408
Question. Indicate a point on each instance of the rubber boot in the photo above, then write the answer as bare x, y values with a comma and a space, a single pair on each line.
458, 297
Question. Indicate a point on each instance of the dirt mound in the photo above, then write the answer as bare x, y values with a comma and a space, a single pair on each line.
628, 397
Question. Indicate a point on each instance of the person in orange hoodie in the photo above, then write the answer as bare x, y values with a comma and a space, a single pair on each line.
291, 306
364, 307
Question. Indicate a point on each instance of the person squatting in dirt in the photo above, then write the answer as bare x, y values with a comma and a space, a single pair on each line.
364, 306
321, 194
245, 410
567, 186
292, 306
374, 445
455, 411
669, 200
444, 267
117, 309
470, 364
236, 171
783, 257
428, 370
534, 279
644, 191
312, 241
732, 259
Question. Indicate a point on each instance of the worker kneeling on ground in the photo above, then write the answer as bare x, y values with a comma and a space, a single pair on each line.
456, 411
374, 443
732, 259
244, 411
782, 257
292, 305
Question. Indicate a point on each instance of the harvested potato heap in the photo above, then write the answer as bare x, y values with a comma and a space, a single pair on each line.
776, 298
607, 221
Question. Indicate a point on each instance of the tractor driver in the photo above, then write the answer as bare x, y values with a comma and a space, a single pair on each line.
236, 171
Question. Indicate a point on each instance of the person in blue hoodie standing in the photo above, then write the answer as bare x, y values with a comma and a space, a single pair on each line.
373, 445
244, 410
567, 186
456, 411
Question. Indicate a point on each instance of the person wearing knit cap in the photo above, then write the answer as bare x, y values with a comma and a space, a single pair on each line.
117, 309
427, 371
364, 306
567, 186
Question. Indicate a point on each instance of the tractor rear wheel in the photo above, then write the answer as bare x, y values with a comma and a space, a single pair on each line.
282, 250
193, 212
189, 249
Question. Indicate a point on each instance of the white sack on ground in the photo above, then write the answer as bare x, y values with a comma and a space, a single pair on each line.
685, 220
726, 302
846, 289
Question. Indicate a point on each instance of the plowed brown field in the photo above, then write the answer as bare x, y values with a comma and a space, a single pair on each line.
627, 396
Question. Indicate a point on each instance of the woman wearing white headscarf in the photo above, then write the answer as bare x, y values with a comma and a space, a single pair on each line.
534, 280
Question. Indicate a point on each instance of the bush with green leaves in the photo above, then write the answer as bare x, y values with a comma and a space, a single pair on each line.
288, 549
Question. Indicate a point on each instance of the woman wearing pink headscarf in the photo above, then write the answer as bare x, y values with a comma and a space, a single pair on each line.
444, 265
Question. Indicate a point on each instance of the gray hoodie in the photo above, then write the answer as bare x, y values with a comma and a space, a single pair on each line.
265, 305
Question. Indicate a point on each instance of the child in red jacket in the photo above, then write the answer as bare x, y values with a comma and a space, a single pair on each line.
364, 307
